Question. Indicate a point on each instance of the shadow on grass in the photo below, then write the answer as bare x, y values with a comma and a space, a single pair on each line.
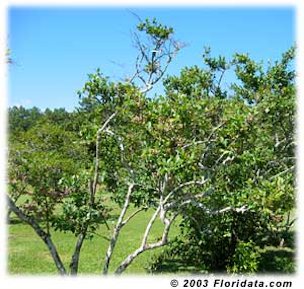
272, 260
176, 265
277, 260
14, 221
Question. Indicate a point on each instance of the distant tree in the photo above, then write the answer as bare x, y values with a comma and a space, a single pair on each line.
22, 119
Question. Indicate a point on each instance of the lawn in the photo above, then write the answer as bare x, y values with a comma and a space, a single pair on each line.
27, 254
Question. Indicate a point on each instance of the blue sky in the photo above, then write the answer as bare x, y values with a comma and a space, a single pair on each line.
55, 48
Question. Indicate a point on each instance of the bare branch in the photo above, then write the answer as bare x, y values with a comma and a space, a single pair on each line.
282, 173
220, 157
135, 15
100, 130
223, 162
194, 143
186, 184
164, 238
149, 226
220, 78
75, 258
139, 45
242, 209
122, 150
117, 229
149, 67
41, 233
214, 130
186, 200
161, 211
147, 88
145, 247
133, 215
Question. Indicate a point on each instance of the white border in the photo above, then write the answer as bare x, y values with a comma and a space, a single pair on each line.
3, 104
152, 3
8, 282
300, 135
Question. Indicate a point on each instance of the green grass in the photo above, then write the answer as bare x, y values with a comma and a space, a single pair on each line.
27, 254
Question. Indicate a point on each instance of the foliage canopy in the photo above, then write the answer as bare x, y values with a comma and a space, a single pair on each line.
217, 159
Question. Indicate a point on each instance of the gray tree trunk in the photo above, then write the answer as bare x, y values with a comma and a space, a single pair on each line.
42, 234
